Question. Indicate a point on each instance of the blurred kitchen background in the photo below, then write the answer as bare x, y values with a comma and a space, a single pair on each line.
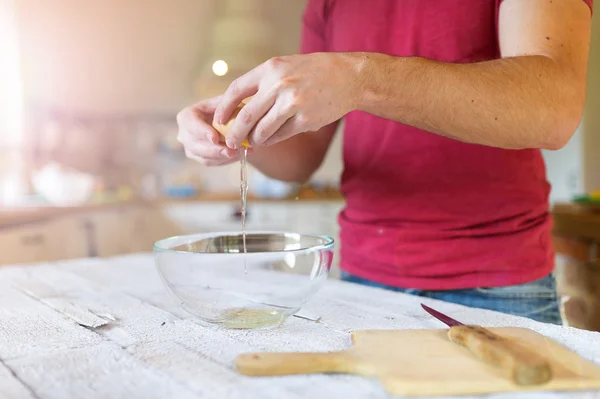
89, 161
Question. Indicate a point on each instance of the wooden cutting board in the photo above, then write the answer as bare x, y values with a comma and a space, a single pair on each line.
415, 363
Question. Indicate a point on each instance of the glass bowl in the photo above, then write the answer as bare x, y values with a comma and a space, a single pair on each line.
212, 277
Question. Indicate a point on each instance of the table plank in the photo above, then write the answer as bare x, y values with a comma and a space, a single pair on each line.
27, 327
48, 296
182, 364
101, 371
11, 387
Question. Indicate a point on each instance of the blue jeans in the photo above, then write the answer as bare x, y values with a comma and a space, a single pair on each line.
537, 300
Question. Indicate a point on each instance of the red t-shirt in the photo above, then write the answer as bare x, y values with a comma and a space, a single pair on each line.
424, 211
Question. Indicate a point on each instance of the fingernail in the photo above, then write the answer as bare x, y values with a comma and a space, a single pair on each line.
209, 138
225, 153
231, 145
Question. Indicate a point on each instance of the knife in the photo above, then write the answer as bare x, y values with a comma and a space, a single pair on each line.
523, 365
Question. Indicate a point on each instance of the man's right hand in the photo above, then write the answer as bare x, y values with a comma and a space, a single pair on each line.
200, 140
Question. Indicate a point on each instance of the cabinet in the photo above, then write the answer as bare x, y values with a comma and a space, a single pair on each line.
128, 229
105, 231
576, 239
44, 241
69, 237
26, 244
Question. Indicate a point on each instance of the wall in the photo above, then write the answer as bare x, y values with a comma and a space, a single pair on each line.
591, 118
10, 94
564, 169
111, 56
126, 56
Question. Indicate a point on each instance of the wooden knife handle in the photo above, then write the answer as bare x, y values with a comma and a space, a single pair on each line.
524, 366
273, 364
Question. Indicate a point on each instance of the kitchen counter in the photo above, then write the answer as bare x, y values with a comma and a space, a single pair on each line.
576, 239
577, 220
106, 328
13, 216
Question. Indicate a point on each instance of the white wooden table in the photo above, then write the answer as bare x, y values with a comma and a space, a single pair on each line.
107, 329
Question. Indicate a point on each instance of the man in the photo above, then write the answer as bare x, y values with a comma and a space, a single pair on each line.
447, 104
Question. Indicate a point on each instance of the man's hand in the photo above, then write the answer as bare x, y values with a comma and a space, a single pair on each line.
290, 95
293, 160
199, 138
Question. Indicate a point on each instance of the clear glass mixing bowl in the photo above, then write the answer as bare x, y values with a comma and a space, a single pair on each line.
212, 278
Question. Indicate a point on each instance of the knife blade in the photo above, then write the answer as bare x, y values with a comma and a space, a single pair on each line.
523, 365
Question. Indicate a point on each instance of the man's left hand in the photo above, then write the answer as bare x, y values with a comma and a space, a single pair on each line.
290, 95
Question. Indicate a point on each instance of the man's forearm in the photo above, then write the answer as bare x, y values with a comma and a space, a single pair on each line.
514, 103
